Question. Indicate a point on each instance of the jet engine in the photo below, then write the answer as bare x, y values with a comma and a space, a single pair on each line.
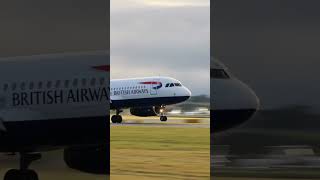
90, 159
146, 111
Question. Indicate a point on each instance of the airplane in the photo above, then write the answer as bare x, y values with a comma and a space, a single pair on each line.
146, 96
55, 101
232, 101
284, 119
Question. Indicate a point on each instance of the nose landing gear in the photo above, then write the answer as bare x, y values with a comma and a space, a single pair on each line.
117, 118
24, 173
163, 117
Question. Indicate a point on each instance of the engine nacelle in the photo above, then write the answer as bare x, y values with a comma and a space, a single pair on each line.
90, 159
145, 111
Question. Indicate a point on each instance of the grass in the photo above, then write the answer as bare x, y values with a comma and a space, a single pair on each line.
160, 153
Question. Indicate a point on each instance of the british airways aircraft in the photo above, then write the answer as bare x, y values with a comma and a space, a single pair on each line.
146, 96
55, 101
232, 101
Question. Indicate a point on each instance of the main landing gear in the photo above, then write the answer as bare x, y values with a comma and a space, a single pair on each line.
24, 173
117, 118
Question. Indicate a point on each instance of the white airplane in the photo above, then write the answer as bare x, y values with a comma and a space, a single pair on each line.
55, 101
232, 101
146, 96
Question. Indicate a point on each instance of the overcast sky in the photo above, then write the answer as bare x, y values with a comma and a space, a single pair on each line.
272, 45
162, 37
45, 26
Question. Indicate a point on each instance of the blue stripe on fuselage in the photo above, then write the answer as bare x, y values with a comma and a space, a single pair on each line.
142, 102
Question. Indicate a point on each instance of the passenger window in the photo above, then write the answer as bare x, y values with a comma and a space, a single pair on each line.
102, 81
49, 84
5, 87
84, 82
66, 83
93, 82
40, 85
31, 85
75, 83
14, 86
58, 82
23, 86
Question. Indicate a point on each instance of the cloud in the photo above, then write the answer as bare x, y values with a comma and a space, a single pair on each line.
168, 41
271, 45
175, 3
138, 4
40, 27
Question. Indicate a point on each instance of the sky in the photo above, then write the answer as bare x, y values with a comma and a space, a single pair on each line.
272, 45
45, 26
162, 37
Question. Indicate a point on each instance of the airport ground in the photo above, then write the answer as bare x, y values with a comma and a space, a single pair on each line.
50, 167
140, 149
177, 149
253, 178
267, 174
276, 163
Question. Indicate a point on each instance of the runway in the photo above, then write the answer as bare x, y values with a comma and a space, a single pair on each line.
281, 162
184, 122
164, 125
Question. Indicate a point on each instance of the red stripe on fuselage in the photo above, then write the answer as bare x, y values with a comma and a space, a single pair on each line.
102, 68
150, 82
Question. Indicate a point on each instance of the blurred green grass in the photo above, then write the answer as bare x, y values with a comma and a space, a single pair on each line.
160, 153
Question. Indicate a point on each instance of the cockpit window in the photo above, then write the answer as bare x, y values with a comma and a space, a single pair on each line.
173, 85
219, 74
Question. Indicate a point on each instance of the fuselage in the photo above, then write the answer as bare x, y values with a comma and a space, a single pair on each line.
53, 100
232, 101
147, 91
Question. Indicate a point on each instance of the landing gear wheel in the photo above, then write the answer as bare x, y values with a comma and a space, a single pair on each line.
163, 118
15, 174
32, 175
24, 173
116, 119
12, 174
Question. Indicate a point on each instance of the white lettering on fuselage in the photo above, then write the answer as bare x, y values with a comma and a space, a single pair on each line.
60, 96
129, 92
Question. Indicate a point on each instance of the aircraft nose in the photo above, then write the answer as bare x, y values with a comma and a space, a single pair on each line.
232, 103
188, 92
249, 99
233, 94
